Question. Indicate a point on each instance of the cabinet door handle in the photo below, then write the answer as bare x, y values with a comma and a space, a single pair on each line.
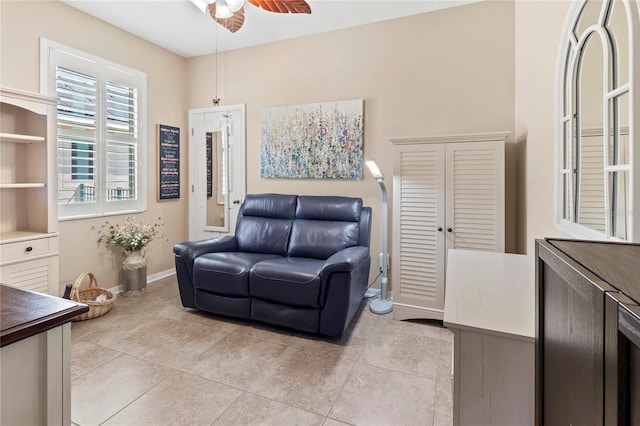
449, 230
28, 249
439, 228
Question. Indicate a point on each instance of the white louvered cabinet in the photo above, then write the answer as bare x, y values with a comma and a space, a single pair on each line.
448, 192
28, 206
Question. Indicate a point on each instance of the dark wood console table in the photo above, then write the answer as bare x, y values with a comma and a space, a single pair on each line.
35, 357
587, 333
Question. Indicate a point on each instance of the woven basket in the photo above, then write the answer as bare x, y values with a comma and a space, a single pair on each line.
96, 309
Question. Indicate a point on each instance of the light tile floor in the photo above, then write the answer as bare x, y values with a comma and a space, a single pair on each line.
152, 362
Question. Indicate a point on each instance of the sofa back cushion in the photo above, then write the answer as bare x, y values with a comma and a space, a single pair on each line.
324, 225
264, 223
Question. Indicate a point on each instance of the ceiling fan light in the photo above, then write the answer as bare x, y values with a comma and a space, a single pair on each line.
222, 10
235, 5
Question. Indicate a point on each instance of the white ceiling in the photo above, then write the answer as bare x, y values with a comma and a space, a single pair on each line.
179, 26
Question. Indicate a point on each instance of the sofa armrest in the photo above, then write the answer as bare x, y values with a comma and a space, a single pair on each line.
192, 249
187, 252
345, 260
344, 281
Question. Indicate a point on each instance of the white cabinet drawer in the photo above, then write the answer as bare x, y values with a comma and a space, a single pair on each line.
23, 250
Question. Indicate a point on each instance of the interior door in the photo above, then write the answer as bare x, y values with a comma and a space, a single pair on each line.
216, 170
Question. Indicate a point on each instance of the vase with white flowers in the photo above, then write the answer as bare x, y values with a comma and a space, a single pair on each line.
133, 236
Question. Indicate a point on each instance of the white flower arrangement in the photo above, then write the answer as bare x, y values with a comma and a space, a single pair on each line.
133, 235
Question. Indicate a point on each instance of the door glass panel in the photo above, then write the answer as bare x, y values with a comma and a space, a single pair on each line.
591, 200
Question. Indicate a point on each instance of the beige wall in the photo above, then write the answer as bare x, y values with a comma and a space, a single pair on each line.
539, 28
477, 68
445, 72
22, 25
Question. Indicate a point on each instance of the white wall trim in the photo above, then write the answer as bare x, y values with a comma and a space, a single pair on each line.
160, 275
464, 137
150, 279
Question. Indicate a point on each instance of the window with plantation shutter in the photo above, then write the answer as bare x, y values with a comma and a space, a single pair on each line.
101, 137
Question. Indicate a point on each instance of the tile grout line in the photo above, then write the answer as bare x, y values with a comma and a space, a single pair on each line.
373, 327
98, 366
340, 350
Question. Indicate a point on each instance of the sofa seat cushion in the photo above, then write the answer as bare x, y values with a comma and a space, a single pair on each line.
226, 305
305, 319
226, 273
292, 281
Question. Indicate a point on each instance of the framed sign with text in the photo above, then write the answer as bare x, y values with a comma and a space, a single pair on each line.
168, 162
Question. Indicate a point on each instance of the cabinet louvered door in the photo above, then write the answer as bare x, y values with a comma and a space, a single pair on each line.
418, 261
475, 196
448, 192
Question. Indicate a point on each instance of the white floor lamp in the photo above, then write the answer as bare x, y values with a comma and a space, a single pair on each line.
382, 303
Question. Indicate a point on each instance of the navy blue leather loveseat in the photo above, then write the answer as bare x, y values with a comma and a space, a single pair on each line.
295, 261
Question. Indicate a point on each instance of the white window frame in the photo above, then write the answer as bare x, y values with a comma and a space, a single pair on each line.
568, 54
53, 54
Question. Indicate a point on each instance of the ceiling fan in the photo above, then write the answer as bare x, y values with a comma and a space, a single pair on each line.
230, 13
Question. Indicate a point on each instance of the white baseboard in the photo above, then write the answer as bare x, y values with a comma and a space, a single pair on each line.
160, 275
150, 279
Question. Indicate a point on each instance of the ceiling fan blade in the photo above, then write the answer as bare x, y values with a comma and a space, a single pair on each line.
283, 6
232, 24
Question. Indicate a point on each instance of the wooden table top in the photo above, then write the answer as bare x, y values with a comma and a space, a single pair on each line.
25, 313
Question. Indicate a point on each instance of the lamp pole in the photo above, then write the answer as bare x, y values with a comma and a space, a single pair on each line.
383, 304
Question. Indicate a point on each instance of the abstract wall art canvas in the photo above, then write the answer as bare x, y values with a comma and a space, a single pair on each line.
317, 141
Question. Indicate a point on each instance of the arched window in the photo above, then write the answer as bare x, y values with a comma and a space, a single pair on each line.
595, 150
